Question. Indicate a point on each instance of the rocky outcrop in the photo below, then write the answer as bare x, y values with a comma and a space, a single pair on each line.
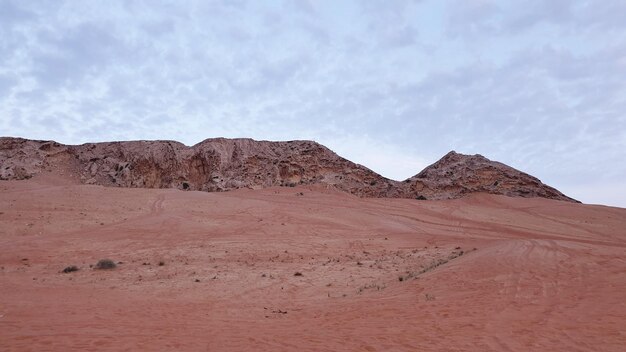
456, 175
217, 164
221, 164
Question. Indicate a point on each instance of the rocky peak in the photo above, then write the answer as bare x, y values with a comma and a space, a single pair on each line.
455, 175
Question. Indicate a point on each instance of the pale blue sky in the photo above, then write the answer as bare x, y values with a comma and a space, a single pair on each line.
393, 85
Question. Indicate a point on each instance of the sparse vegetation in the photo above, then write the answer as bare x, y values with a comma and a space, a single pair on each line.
434, 264
161, 263
376, 286
105, 264
70, 269
297, 273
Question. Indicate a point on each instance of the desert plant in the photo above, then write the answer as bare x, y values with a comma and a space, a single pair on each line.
297, 273
104, 264
70, 269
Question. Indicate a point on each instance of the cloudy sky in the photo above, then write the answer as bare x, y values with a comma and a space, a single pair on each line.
393, 85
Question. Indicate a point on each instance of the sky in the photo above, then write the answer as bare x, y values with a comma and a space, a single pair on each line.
392, 85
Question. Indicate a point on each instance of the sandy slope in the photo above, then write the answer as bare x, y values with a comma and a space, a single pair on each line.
534, 274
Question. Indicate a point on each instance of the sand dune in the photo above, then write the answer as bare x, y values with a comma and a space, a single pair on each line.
482, 273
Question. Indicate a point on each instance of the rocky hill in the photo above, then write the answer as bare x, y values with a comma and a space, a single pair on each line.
221, 164
456, 175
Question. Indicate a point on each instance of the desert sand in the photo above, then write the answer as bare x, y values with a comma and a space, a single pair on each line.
307, 268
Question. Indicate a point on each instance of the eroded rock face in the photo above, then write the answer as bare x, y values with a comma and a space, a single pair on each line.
221, 164
213, 165
456, 175
22, 159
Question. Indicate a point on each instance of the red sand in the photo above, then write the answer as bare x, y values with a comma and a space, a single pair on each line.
535, 274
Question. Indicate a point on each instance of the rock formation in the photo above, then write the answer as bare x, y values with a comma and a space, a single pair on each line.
220, 164
456, 175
